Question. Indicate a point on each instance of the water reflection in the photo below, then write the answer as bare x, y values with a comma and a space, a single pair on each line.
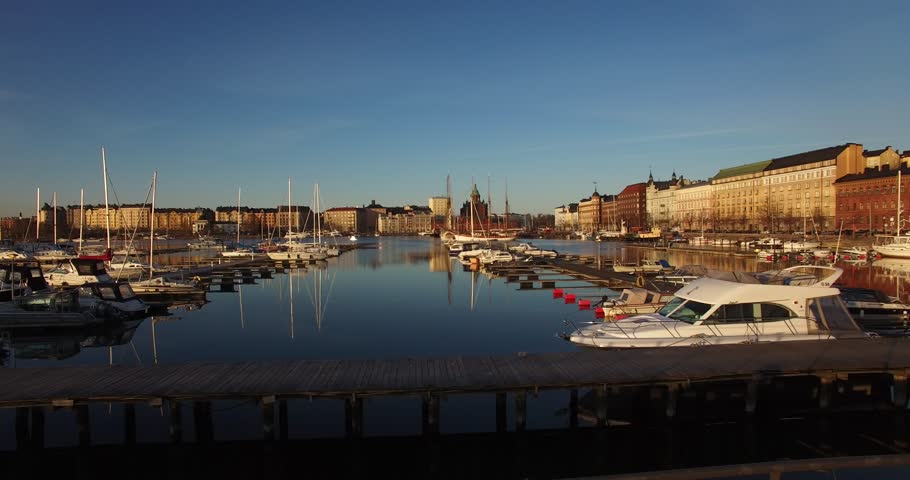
58, 343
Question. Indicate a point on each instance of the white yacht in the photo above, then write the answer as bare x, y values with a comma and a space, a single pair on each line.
77, 271
299, 251
495, 256
797, 303
799, 245
539, 252
898, 247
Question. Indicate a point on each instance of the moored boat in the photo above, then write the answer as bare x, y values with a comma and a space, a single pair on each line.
797, 303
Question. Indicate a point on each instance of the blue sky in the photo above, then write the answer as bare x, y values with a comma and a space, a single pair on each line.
381, 100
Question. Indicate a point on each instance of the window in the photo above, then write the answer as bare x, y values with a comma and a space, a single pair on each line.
732, 314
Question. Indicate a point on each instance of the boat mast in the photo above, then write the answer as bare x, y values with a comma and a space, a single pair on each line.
489, 205
81, 217
289, 204
38, 216
898, 202
55, 217
107, 212
152, 228
237, 246
507, 203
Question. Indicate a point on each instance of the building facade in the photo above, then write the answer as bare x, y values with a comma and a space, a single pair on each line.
406, 220
566, 217
869, 201
692, 206
631, 205
345, 219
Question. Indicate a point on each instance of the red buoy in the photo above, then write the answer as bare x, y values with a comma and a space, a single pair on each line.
584, 304
570, 298
599, 312
784, 258
557, 293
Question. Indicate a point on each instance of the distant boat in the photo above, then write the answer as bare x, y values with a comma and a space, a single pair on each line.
353, 238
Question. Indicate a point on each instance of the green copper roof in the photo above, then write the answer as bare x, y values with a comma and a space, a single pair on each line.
742, 169
475, 192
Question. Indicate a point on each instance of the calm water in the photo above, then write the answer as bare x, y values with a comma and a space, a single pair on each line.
398, 297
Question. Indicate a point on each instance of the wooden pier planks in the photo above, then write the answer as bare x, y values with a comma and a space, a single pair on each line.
208, 380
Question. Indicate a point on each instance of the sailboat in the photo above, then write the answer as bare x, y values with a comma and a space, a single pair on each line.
473, 236
296, 250
160, 292
238, 251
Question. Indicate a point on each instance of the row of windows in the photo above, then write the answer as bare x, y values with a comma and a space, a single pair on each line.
871, 190
874, 206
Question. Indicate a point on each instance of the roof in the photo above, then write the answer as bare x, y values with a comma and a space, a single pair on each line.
635, 187
342, 209
715, 291
872, 173
874, 153
742, 169
808, 157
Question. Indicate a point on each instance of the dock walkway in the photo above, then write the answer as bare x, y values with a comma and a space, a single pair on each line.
459, 374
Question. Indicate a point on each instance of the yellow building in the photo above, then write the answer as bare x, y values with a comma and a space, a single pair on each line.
778, 194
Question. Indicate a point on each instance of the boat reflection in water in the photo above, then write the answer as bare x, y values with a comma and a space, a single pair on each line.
59, 343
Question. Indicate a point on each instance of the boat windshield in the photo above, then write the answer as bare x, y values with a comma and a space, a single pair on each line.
125, 291
688, 311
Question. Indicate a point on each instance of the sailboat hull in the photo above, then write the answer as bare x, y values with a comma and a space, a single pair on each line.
475, 238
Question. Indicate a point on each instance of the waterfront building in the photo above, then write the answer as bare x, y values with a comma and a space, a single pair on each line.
346, 219
631, 205
659, 201
373, 211
566, 217
46, 216
868, 201
692, 206
298, 217
440, 206
778, 194
405, 220
738, 193
590, 213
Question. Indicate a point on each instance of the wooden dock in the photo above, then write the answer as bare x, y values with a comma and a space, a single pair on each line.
419, 376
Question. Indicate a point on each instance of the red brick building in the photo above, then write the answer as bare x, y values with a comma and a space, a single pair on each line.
631, 205
869, 200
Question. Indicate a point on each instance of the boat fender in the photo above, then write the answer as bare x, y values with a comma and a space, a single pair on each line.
640, 281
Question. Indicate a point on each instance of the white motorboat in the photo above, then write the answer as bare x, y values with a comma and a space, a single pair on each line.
77, 271
898, 247
539, 252
521, 247
854, 253
644, 267
496, 256
203, 243
797, 303
799, 245
633, 301
353, 238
